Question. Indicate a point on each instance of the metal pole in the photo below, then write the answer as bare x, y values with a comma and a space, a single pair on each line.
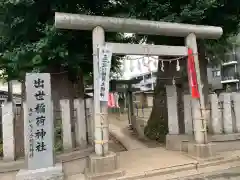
100, 109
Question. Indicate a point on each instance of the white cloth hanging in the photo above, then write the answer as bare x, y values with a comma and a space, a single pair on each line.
152, 81
139, 65
131, 65
116, 99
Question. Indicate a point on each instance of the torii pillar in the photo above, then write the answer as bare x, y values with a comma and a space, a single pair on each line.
100, 165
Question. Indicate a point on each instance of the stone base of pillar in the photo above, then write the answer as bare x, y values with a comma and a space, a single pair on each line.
201, 150
178, 142
103, 167
50, 173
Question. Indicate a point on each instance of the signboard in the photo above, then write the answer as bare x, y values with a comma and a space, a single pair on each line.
40, 121
105, 57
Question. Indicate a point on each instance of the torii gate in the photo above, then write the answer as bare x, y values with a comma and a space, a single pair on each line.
99, 25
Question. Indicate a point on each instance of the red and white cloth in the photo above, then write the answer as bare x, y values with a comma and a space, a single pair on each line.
110, 100
113, 100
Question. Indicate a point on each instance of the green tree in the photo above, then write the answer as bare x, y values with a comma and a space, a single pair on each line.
30, 43
201, 12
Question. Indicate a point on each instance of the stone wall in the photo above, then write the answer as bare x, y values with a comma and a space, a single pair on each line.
70, 131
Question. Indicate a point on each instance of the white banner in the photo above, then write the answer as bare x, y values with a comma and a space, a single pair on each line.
105, 58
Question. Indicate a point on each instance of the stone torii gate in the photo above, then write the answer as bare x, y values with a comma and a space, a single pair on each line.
98, 25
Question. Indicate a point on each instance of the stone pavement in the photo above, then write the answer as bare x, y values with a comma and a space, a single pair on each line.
70, 168
129, 142
133, 162
230, 174
118, 127
143, 163
222, 173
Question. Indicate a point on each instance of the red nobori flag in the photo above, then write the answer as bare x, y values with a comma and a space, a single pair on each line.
111, 102
192, 75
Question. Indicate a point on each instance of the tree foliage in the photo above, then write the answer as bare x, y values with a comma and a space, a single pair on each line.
201, 12
29, 41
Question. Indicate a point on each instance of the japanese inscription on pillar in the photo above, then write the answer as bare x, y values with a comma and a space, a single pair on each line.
40, 120
105, 57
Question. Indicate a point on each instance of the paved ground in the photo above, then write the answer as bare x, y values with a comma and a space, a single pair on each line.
120, 120
136, 160
231, 174
114, 145
72, 168
145, 160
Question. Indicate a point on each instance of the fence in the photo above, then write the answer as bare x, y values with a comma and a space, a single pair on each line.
223, 116
222, 113
142, 112
73, 127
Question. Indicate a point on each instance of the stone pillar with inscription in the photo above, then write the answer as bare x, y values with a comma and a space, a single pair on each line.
39, 131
